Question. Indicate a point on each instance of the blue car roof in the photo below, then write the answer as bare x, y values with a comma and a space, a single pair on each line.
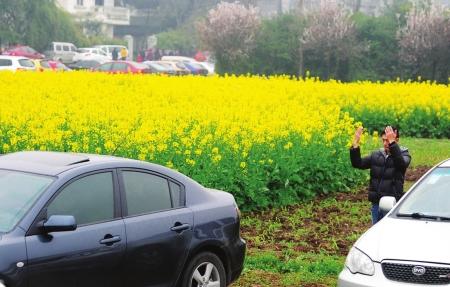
50, 163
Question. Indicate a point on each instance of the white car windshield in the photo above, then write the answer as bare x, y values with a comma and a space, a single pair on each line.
430, 198
18, 192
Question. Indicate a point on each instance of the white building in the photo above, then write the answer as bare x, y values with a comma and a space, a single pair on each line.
107, 13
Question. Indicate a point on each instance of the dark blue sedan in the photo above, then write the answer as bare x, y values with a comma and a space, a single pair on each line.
89, 220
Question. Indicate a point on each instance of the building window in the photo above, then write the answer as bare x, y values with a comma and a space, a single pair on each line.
99, 3
80, 2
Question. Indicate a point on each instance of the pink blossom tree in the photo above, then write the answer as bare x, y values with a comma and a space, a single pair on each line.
230, 31
425, 42
330, 36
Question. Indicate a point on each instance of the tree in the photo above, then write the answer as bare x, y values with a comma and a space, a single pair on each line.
230, 31
179, 40
277, 46
11, 18
379, 58
425, 42
36, 23
329, 40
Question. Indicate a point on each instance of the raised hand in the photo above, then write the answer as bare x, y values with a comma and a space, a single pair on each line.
390, 134
357, 138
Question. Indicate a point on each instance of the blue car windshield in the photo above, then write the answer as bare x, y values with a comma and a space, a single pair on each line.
18, 192
431, 197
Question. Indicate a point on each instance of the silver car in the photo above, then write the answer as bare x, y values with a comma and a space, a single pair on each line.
62, 51
410, 246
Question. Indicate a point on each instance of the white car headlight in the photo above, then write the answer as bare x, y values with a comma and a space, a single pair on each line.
358, 262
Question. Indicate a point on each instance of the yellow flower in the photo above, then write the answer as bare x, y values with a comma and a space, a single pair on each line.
288, 145
216, 158
223, 117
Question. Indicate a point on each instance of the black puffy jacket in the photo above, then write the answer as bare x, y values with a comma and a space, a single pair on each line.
387, 174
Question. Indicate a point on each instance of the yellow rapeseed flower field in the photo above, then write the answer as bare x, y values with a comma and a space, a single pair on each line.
235, 126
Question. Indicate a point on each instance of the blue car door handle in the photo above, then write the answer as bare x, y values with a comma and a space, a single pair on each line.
110, 240
178, 227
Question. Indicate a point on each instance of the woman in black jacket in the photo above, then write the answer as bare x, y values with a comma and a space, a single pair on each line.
387, 167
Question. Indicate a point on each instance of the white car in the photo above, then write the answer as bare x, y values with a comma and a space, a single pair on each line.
16, 63
410, 246
95, 54
108, 49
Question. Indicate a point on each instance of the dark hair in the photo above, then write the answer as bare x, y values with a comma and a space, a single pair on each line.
395, 129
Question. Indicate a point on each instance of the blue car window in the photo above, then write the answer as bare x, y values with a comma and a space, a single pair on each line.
89, 199
18, 192
145, 192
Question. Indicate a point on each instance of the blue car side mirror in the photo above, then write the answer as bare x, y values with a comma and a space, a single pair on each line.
58, 223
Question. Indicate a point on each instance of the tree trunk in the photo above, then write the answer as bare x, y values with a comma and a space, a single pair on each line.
301, 7
357, 6
328, 66
300, 62
433, 70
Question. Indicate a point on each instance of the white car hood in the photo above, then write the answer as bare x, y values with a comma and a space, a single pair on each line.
407, 239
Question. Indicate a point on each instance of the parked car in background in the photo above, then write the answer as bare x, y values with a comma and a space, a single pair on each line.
85, 65
90, 220
109, 48
24, 51
91, 54
177, 59
410, 245
50, 65
16, 63
62, 52
196, 68
158, 68
209, 66
123, 67
206, 65
174, 67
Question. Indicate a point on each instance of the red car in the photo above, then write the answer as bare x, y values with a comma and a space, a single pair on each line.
24, 51
124, 67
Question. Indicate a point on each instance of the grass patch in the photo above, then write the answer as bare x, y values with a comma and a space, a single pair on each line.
427, 152
305, 268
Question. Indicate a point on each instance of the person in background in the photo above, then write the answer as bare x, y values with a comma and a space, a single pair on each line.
139, 57
387, 167
115, 54
199, 57
123, 54
157, 56
149, 54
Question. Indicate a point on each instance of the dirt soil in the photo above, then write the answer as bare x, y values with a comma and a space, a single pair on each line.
416, 173
328, 229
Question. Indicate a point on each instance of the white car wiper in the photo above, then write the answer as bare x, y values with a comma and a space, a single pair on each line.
420, 215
